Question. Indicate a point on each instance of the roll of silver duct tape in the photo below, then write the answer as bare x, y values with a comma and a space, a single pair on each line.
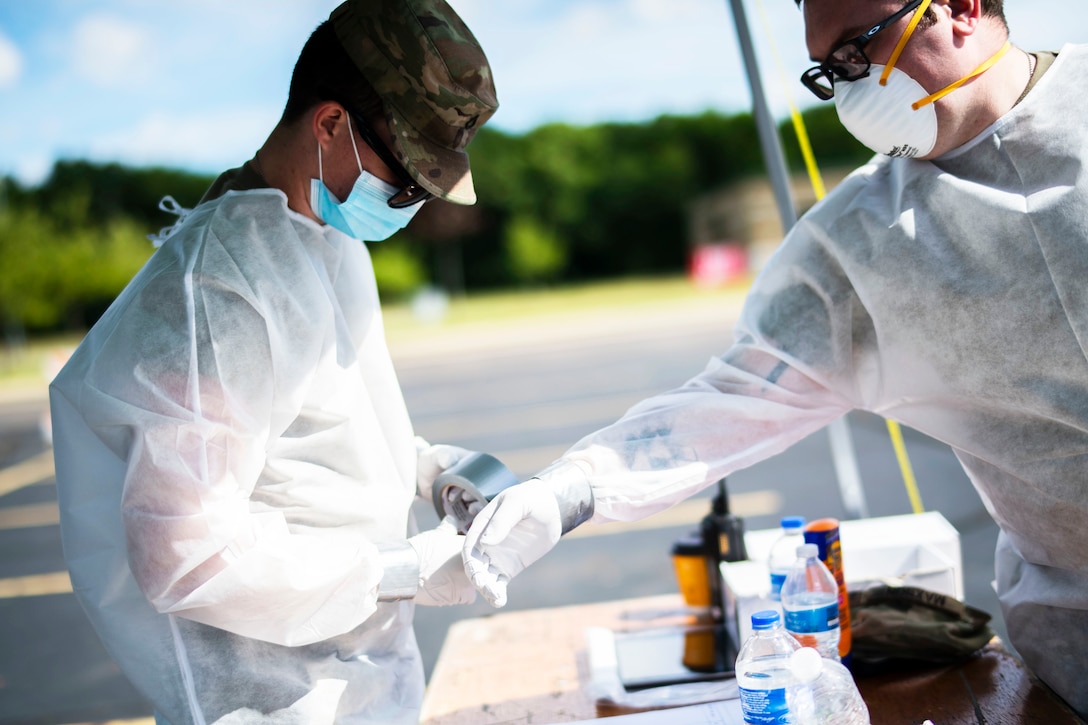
462, 490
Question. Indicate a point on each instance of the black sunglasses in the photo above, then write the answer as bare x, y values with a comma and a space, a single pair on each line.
848, 61
410, 193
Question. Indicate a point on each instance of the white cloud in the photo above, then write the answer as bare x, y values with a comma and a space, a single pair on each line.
586, 23
33, 169
113, 53
594, 61
11, 63
255, 22
577, 61
655, 11
206, 142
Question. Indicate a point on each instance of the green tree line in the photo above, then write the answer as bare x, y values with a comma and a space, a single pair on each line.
558, 204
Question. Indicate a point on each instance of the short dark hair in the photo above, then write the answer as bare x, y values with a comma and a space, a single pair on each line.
325, 72
993, 8
996, 9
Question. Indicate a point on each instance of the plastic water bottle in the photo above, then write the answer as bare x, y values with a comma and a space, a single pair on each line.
823, 692
763, 670
783, 553
810, 599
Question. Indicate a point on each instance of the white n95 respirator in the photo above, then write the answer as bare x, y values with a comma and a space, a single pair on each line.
882, 116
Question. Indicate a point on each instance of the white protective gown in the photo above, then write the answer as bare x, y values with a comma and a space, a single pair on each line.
950, 295
231, 444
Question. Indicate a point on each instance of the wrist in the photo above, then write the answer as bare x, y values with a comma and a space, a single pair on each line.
570, 486
400, 571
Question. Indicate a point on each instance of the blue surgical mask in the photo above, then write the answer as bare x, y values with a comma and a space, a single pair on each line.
365, 214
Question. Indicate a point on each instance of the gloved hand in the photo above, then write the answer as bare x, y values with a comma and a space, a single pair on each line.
442, 577
431, 461
518, 527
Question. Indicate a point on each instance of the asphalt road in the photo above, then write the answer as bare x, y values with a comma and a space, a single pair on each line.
522, 392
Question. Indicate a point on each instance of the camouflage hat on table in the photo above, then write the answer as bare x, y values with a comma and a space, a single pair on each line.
434, 81
892, 625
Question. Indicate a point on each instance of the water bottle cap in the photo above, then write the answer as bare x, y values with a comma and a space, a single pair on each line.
807, 551
793, 522
806, 664
765, 619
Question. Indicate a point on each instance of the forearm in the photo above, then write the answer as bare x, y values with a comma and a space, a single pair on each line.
288, 589
672, 445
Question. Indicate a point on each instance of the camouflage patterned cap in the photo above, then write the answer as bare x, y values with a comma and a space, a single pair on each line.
894, 625
434, 82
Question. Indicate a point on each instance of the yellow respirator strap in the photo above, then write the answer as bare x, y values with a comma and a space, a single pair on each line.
917, 18
976, 72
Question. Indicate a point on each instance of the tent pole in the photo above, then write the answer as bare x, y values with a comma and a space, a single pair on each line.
843, 454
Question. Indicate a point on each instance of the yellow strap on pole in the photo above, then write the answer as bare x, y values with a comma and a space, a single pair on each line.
894, 431
904, 465
795, 115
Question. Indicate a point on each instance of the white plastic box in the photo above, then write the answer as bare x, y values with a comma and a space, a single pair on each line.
919, 550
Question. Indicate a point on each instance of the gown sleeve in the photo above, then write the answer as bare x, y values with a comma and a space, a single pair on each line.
802, 344
744, 407
196, 376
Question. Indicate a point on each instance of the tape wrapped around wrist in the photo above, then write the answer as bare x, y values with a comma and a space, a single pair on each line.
462, 490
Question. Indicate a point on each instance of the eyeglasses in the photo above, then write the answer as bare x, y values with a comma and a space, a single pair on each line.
410, 193
848, 61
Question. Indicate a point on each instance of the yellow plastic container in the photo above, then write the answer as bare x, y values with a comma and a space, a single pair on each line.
692, 576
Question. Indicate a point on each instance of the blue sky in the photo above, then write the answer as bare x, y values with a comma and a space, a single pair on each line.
197, 84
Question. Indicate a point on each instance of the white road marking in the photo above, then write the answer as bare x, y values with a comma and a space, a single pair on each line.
36, 585
24, 473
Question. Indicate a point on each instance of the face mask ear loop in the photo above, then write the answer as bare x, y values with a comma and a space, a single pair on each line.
917, 18
354, 147
320, 170
976, 72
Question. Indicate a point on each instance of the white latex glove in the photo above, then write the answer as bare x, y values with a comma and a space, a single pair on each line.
431, 461
442, 577
519, 526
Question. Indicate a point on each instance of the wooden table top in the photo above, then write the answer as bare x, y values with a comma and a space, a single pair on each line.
531, 666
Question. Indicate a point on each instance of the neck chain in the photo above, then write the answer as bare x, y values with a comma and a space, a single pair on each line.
1031, 74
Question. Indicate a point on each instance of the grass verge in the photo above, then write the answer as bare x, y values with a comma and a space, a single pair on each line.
34, 362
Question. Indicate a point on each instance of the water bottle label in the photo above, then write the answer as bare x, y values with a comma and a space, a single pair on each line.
808, 621
777, 580
765, 707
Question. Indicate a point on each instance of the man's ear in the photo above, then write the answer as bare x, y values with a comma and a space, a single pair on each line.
965, 15
327, 120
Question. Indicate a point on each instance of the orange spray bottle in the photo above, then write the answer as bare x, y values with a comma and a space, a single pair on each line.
825, 534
